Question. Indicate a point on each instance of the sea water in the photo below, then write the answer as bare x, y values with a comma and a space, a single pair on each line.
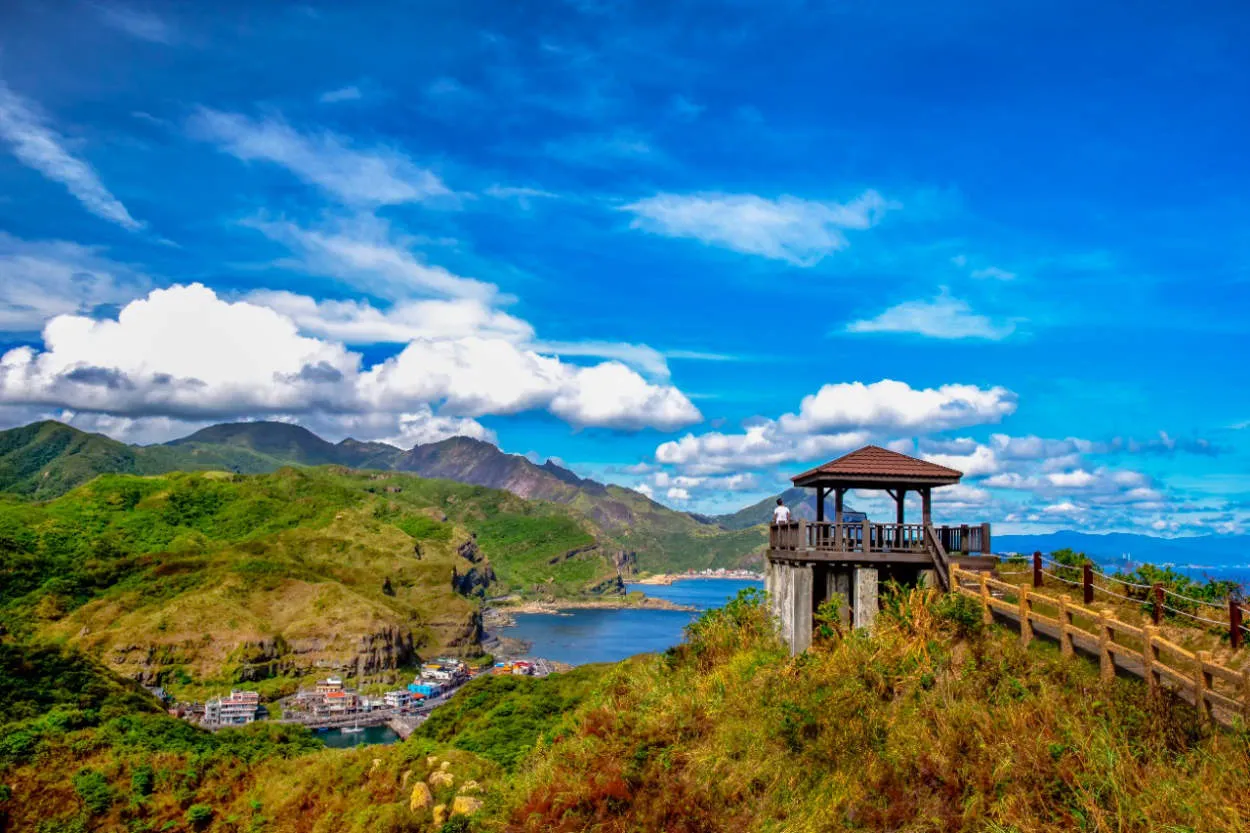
588, 635
336, 739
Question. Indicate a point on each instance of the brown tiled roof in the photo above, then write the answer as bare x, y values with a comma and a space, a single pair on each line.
874, 463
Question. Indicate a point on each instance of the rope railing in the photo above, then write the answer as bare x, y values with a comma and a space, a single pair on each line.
1153, 597
1220, 693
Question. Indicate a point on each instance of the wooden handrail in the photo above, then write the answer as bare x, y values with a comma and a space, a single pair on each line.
1198, 680
945, 571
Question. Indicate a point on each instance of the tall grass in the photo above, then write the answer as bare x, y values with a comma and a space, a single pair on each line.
935, 722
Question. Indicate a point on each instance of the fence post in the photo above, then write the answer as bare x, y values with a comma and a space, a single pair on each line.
1234, 622
963, 539
1037, 569
1156, 610
1202, 684
867, 536
1087, 584
985, 540
1026, 624
1065, 622
953, 580
987, 613
1106, 661
1148, 658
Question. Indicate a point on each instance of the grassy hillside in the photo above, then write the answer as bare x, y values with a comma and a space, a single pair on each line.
934, 723
209, 576
45, 460
81, 750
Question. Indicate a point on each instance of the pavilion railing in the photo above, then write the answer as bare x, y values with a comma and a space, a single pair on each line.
869, 537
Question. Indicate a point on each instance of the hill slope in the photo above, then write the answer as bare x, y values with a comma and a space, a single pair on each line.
209, 576
638, 533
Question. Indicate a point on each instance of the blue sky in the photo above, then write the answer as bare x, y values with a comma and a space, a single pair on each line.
688, 247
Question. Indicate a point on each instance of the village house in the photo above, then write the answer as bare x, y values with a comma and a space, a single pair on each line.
238, 709
399, 699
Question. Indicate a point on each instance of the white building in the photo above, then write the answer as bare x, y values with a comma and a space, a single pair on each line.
240, 708
398, 699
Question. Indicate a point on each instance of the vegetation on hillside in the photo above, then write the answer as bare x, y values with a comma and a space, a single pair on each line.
934, 723
218, 577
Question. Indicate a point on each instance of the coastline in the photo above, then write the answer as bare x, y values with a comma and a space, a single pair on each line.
557, 607
669, 578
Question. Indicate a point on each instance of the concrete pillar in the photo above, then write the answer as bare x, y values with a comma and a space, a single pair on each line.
785, 602
927, 578
838, 583
864, 597
801, 605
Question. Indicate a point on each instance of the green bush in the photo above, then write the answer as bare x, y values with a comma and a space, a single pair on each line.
199, 815
94, 791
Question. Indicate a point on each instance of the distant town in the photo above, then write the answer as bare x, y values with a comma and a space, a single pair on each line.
330, 704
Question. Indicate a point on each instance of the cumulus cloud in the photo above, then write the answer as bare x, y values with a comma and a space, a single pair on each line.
38, 146
43, 279
787, 228
376, 176
943, 317
760, 446
186, 354
889, 406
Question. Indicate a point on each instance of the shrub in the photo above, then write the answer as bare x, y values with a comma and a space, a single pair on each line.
199, 815
94, 791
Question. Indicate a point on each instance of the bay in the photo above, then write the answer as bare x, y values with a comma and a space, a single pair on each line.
582, 636
335, 739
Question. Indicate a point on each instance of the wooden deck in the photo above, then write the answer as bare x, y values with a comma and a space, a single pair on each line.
936, 547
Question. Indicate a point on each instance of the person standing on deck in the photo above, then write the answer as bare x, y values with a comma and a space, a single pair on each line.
781, 515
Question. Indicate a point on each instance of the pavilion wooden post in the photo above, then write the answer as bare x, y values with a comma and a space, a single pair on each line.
840, 539
926, 505
820, 504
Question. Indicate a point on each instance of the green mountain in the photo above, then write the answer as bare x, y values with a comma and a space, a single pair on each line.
214, 577
802, 503
46, 459
636, 533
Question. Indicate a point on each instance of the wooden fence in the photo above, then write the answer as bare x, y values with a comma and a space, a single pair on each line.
1220, 693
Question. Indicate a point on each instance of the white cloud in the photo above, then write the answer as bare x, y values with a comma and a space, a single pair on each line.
760, 446
364, 252
677, 494
788, 228
889, 406
359, 322
378, 176
943, 317
993, 273
611, 395
137, 23
340, 95
186, 354
38, 146
43, 279
980, 461
644, 489
1078, 479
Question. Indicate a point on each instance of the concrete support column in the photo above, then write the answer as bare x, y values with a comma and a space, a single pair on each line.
927, 578
865, 597
838, 583
801, 605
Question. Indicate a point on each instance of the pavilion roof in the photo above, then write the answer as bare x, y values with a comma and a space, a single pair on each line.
873, 466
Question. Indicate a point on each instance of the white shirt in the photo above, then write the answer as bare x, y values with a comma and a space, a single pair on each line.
781, 515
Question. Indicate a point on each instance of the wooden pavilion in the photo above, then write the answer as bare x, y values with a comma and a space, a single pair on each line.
811, 561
